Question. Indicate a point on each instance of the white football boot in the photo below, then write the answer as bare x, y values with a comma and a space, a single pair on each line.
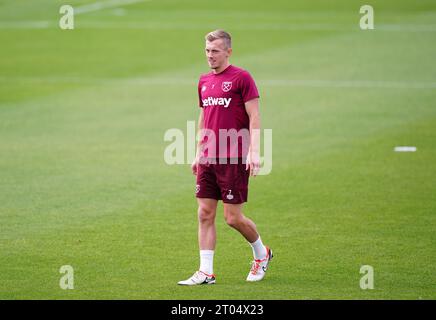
199, 277
259, 267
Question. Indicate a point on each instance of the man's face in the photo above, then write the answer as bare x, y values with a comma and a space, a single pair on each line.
217, 54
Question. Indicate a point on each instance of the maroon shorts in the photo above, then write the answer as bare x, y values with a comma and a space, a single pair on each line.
226, 182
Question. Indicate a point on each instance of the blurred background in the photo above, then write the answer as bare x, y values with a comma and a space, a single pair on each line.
83, 181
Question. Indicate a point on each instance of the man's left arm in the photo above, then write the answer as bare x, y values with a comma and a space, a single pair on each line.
253, 157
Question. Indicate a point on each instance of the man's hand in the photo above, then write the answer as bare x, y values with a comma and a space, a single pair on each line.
253, 158
194, 166
253, 163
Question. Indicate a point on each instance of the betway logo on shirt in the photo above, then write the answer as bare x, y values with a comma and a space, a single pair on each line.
213, 102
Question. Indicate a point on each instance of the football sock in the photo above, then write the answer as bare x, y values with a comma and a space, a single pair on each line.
206, 261
259, 250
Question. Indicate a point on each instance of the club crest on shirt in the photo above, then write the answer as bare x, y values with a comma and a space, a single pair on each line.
203, 88
226, 86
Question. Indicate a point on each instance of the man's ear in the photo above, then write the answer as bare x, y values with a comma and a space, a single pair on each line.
229, 52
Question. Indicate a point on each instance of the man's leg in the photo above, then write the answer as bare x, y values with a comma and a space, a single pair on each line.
206, 223
206, 233
262, 254
207, 241
236, 219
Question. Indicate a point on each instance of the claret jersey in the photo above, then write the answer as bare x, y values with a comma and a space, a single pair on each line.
222, 97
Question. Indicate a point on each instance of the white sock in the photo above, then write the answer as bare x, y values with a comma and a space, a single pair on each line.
259, 250
206, 261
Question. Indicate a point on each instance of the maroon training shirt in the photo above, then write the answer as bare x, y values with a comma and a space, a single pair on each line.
222, 97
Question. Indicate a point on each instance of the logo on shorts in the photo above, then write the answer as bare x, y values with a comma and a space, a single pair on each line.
226, 86
230, 195
197, 188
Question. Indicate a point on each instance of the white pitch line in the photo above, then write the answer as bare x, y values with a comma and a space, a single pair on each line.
405, 149
303, 83
351, 84
42, 24
96, 6
156, 25
193, 81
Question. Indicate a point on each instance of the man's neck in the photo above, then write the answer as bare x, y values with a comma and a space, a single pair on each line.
222, 68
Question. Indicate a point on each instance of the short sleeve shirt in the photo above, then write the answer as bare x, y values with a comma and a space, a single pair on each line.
222, 97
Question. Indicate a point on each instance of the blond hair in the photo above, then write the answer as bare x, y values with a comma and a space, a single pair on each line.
220, 34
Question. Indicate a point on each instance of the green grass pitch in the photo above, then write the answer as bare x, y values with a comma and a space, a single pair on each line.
83, 181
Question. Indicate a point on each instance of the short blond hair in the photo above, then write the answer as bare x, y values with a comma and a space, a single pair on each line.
220, 34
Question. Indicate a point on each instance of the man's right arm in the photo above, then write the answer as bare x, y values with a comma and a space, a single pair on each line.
200, 138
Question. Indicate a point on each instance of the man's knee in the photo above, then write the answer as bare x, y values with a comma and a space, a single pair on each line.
206, 213
233, 217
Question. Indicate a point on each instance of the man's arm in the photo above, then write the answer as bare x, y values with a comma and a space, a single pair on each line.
198, 152
253, 157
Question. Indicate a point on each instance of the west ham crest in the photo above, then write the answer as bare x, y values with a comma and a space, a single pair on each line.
226, 86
